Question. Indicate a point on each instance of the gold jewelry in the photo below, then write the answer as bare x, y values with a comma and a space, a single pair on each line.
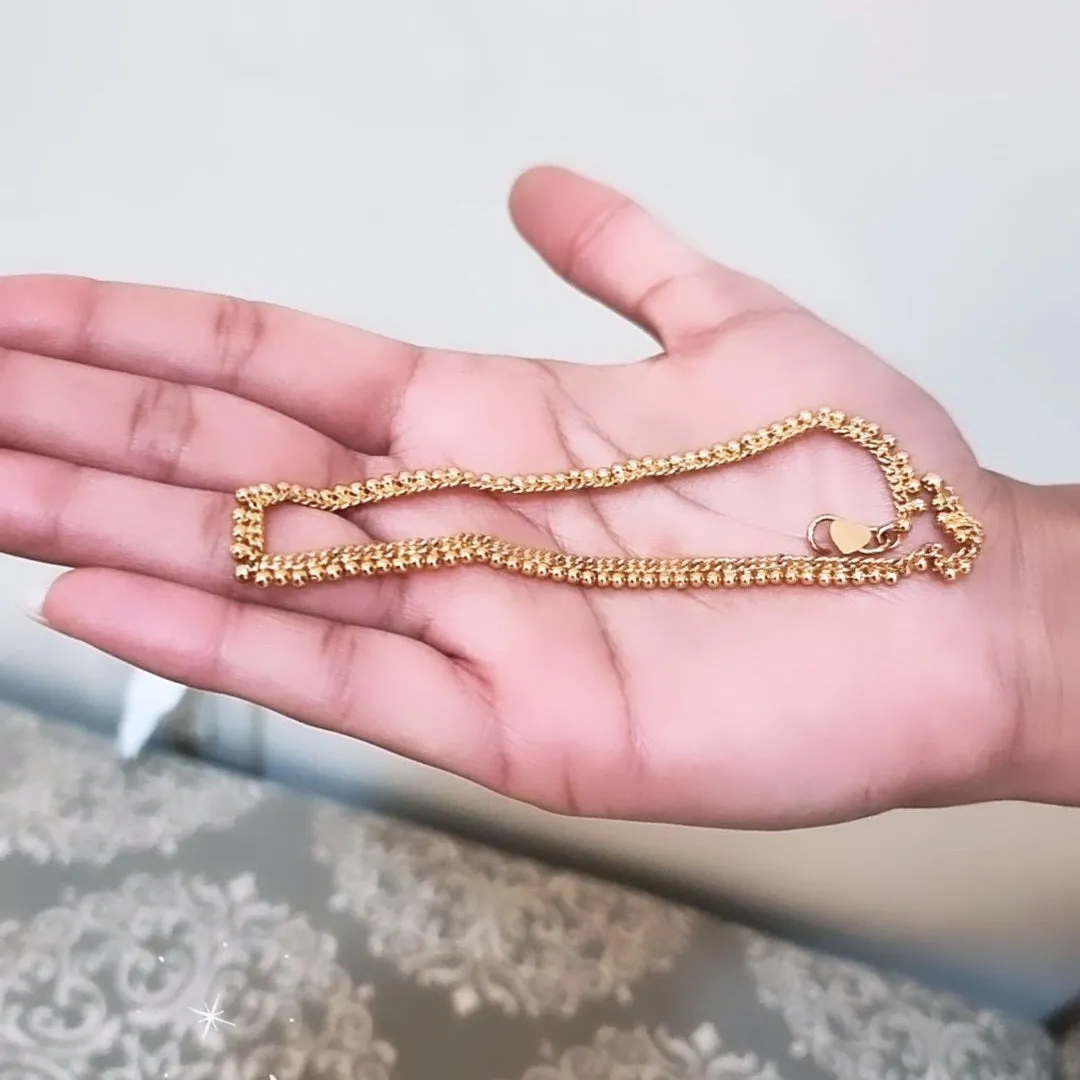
848, 554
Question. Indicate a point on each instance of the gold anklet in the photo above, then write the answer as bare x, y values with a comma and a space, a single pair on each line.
846, 553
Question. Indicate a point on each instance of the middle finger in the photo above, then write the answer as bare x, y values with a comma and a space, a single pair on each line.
154, 429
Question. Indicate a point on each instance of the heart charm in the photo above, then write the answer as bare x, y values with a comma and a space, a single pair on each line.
849, 536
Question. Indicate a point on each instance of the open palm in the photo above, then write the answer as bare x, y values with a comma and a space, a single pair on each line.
129, 415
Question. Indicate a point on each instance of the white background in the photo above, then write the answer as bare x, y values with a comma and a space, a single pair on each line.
909, 170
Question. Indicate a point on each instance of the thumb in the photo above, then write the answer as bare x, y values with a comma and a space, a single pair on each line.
614, 251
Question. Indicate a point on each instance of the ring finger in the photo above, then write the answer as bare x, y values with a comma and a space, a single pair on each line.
72, 515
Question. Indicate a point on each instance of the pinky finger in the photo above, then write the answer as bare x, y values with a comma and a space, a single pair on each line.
386, 689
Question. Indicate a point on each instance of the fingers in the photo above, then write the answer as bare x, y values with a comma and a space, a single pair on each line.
158, 430
344, 382
610, 248
70, 515
376, 686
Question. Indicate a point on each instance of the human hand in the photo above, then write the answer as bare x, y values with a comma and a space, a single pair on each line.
129, 415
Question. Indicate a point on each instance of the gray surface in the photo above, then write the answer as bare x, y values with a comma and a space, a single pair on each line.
350, 945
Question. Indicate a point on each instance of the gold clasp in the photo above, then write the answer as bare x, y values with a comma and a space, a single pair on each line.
852, 537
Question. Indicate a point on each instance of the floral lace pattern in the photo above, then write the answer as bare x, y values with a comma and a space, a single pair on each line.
168, 921
861, 1025
105, 984
102, 807
641, 1054
491, 927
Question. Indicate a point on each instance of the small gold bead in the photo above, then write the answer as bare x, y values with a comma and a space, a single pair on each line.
858, 576
557, 573
697, 579
588, 577
281, 577
573, 575
808, 577
680, 580
618, 580
648, 581
633, 580
528, 567
298, 577
603, 579
352, 568
242, 572
240, 551
663, 580
792, 575
262, 579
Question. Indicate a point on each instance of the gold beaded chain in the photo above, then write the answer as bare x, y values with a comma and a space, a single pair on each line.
849, 553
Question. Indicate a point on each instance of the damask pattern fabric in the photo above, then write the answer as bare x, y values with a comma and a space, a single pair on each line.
169, 920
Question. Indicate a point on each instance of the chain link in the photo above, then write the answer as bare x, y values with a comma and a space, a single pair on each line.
834, 564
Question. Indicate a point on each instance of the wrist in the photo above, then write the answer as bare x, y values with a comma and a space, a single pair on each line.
1046, 627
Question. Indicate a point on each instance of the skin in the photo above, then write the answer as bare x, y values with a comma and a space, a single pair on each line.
129, 414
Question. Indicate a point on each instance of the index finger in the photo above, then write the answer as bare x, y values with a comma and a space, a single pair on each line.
340, 380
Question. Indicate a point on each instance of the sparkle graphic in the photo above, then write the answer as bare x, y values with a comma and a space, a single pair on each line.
211, 1016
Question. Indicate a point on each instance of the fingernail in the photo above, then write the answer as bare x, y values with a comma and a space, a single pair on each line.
31, 606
